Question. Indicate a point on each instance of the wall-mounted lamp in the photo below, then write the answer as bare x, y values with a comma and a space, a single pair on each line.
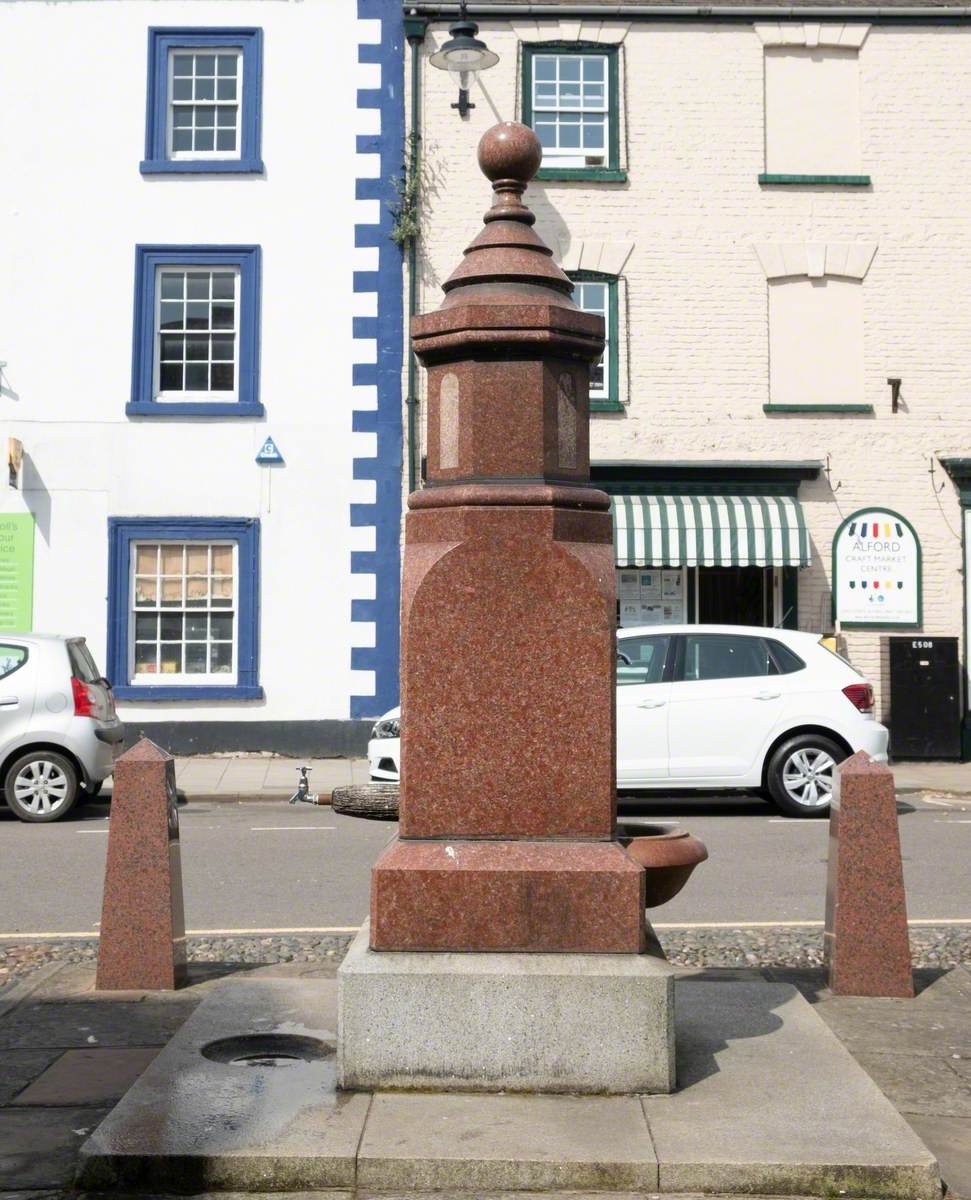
894, 394
464, 55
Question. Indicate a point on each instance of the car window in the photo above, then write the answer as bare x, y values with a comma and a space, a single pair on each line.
83, 666
725, 656
12, 658
786, 660
641, 659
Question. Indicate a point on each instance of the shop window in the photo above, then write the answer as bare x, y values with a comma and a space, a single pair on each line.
204, 101
183, 609
815, 343
196, 332
812, 104
594, 292
571, 100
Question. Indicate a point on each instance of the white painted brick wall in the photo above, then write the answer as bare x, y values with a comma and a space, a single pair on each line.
698, 297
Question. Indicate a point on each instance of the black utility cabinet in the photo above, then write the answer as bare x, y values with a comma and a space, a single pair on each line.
925, 697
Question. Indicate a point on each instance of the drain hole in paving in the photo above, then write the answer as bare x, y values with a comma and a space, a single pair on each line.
267, 1050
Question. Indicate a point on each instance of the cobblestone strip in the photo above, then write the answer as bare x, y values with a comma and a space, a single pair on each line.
770, 946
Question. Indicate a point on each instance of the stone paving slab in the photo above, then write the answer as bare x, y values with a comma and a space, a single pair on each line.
19, 1067
769, 1101
871, 1026
80, 1024
191, 1123
920, 1084
950, 1139
38, 1147
529, 1143
94, 1076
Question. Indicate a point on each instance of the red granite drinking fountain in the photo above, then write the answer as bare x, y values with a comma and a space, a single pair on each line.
507, 903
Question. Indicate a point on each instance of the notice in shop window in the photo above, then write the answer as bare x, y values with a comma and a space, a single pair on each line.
628, 585
16, 572
672, 587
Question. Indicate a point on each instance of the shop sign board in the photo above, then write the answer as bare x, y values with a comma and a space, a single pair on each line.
877, 571
16, 572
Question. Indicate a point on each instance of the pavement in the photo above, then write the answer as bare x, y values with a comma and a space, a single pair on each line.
247, 777
67, 1054
242, 777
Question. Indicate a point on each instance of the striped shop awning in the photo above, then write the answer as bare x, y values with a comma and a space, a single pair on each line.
709, 531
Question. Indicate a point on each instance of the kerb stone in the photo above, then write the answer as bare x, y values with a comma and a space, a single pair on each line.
582, 1023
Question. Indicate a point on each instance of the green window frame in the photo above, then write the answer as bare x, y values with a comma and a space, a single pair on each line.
605, 398
609, 170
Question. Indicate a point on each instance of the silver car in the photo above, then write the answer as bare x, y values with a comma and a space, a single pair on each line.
59, 732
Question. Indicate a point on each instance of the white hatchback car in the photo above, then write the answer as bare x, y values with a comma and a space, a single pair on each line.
723, 706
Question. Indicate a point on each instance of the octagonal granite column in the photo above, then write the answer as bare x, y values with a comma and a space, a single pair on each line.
507, 832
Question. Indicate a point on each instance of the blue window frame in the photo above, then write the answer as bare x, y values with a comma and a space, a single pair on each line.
183, 77
196, 332
132, 598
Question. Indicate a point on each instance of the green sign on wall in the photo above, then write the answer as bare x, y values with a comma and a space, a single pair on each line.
16, 572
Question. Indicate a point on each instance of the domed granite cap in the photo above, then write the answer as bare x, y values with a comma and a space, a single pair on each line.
508, 262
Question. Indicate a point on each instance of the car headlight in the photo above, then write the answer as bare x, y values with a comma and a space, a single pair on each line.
390, 727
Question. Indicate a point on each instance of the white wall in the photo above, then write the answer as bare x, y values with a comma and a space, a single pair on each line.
73, 207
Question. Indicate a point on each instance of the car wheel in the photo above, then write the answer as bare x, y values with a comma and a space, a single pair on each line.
800, 775
41, 786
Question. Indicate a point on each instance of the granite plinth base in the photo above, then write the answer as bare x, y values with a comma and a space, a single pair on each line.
534, 897
866, 941
580, 1023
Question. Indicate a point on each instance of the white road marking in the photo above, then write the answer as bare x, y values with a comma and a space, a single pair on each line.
799, 821
91, 831
919, 921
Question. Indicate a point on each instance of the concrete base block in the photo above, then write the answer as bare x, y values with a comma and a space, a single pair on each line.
580, 1023
194, 1124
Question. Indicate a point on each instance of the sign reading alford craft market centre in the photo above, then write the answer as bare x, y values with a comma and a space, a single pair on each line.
876, 570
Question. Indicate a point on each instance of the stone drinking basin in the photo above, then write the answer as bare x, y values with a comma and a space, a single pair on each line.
667, 854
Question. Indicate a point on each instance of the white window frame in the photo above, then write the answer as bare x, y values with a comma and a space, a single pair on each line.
183, 678
601, 393
185, 396
171, 104
570, 156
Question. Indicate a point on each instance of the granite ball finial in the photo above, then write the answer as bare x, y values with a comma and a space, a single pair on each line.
511, 151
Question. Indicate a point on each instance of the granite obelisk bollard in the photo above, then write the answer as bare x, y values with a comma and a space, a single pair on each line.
507, 844
142, 923
866, 941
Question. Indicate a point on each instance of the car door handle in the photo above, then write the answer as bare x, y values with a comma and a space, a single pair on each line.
652, 704
9, 701
767, 695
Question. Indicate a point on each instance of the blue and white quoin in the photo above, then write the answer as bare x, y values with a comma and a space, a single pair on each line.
378, 345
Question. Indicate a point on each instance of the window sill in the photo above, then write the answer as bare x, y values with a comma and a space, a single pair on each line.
588, 174
817, 180
204, 691
606, 406
864, 409
203, 408
202, 166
